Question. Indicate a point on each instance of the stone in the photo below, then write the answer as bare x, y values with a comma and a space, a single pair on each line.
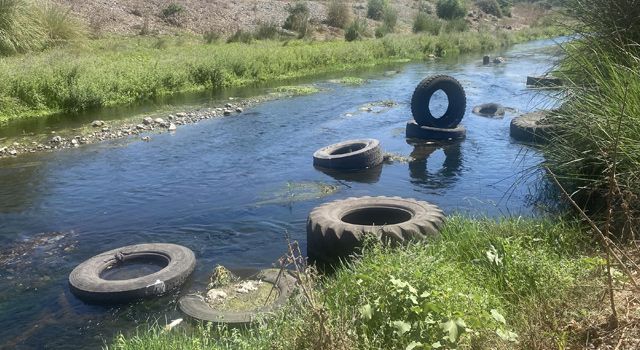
74, 142
171, 117
239, 110
140, 127
228, 105
56, 139
146, 139
499, 60
15, 144
147, 121
172, 127
181, 115
13, 152
227, 112
159, 121
3, 149
105, 129
97, 123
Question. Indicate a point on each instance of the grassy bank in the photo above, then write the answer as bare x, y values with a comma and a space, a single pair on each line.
513, 284
120, 70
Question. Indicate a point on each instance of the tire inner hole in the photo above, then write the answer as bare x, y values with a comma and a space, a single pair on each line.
349, 149
438, 104
377, 216
134, 267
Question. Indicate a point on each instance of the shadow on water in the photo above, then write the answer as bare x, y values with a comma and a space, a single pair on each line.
439, 176
366, 176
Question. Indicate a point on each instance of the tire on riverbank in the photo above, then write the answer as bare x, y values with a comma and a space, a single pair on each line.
423, 93
349, 155
531, 127
196, 307
489, 110
336, 229
415, 131
86, 280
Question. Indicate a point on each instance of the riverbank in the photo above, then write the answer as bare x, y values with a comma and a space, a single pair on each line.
119, 70
511, 284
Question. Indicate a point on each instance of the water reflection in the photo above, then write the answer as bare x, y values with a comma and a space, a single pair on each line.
368, 176
434, 177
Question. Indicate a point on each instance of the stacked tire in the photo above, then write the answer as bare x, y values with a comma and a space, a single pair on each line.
425, 125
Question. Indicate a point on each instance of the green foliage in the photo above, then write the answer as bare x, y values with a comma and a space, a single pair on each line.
298, 19
171, 10
376, 8
356, 31
240, 36
455, 26
267, 31
426, 23
338, 14
490, 7
505, 7
211, 36
126, 70
60, 27
390, 18
474, 288
451, 9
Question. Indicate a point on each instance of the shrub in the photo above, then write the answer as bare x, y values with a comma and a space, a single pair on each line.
356, 30
211, 36
381, 31
490, 7
338, 14
298, 19
451, 9
20, 31
240, 36
426, 23
390, 18
59, 26
375, 9
172, 10
266, 31
505, 7
455, 26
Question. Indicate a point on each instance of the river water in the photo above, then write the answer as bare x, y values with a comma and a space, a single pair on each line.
229, 188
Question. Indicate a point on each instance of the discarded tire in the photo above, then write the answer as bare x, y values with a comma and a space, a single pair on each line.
195, 306
530, 128
543, 81
415, 131
86, 280
336, 229
349, 155
489, 110
423, 93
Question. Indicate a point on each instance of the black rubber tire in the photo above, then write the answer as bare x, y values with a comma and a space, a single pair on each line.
422, 95
196, 307
85, 281
336, 229
530, 128
489, 110
415, 131
349, 155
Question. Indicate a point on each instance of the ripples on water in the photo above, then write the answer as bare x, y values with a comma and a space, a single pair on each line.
208, 187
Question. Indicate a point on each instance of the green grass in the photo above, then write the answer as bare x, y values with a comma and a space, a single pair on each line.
484, 284
116, 71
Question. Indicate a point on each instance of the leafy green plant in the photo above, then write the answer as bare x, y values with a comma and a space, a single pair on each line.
426, 23
59, 25
390, 18
451, 9
490, 7
298, 19
171, 10
240, 36
338, 14
455, 26
376, 8
356, 30
266, 31
211, 36
20, 31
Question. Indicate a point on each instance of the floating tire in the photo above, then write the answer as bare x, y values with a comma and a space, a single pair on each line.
336, 229
86, 280
423, 93
530, 128
349, 155
489, 110
196, 307
415, 131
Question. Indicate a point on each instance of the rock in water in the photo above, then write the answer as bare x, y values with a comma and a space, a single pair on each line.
147, 121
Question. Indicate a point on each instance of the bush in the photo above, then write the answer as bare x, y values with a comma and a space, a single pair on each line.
172, 10
267, 31
59, 26
356, 30
375, 9
338, 14
298, 19
451, 9
390, 18
426, 23
490, 7
455, 26
240, 36
211, 36
381, 31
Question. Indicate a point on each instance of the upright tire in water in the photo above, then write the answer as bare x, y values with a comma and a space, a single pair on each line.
423, 93
335, 229
86, 280
349, 155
